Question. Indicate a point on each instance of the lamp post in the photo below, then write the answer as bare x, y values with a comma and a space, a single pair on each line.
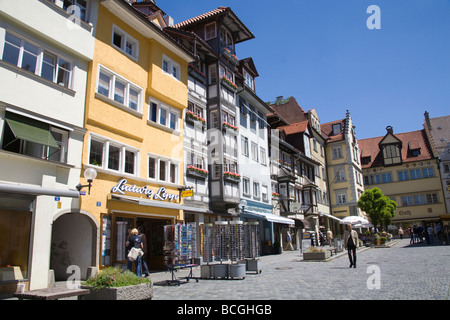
89, 174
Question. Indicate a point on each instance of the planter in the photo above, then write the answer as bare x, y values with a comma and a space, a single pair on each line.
232, 177
206, 271
316, 255
221, 270
237, 271
253, 265
197, 173
142, 291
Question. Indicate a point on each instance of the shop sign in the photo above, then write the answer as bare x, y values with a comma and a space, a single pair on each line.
187, 193
121, 187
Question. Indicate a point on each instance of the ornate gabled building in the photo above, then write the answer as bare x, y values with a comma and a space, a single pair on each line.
403, 166
345, 178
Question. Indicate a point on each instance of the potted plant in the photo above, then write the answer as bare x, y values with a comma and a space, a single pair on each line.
232, 176
113, 284
227, 125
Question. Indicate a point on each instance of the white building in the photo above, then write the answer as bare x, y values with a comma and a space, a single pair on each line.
45, 49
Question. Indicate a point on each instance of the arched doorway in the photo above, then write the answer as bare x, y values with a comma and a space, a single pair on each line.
74, 242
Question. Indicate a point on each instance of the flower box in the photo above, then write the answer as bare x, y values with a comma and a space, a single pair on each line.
227, 125
190, 116
143, 291
227, 53
230, 85
197, 172
232, 177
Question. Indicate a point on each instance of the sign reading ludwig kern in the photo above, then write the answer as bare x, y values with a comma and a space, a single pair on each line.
121, 187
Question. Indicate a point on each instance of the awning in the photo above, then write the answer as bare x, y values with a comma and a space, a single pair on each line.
329, 216
270, 217
38, 191
302, 223
30, 130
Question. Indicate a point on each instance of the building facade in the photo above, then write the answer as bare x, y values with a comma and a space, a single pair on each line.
403, 166
42, 100
137, 94
345, 176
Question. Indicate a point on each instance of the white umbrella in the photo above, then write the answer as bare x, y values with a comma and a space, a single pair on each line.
353, 220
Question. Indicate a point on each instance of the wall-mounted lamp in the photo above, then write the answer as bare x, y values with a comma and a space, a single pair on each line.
242, 205
90, 174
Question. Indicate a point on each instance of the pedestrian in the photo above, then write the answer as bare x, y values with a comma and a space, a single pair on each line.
430, 234
136, 253
351, 243
400, 233
420, 232
289, 242
416, 234
411, 235
330, 237
145, 270
438, 232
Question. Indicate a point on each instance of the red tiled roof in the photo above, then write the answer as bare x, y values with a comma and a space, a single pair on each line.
201, 17
327, 130
295, 127
410, 140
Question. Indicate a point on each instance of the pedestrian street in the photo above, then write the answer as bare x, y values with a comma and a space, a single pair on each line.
401, 272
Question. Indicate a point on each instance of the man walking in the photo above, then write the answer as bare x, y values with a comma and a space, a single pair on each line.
351, 243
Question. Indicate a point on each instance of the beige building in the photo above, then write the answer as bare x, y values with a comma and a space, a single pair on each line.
403, 166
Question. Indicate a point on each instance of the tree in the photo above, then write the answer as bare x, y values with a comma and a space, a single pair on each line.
379, 207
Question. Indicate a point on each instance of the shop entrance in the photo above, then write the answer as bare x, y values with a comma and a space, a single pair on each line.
153, 229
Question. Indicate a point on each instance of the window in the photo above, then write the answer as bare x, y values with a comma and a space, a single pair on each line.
386, 178
432, 198
210, 31
246, 186
340, 176
427, 172
226, 39
37, 59
341, 198
170, 67
264, 192
336, 129
125, 43
119, 89
263, 156
80, 7
34, 138
112, 155
415, 174
244, 146
249, 81
403, 175
337, 153
163, 169
407, 201
254, 152
163, 115
419, 199
256, 191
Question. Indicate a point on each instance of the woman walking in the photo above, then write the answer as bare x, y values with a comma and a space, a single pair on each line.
351, 243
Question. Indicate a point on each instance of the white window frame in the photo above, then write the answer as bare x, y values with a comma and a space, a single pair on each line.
254, 151
125, 39
249, 80
337, 153
113, 78
246, 186
172, 67
105, 155
41, 50
256, 190
169, 110
263, 156
167, 163
341, 197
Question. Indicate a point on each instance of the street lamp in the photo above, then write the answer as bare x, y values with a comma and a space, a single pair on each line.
242, 205
90, 174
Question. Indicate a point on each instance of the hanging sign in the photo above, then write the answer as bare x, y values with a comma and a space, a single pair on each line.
121, 187
187, 193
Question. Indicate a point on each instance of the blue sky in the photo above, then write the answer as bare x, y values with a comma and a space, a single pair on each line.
322, 53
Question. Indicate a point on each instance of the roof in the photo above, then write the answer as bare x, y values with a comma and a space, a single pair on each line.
327, 130
296, 127
232, 19
410, 140
289, 110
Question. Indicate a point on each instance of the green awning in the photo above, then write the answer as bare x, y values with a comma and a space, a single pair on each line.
30, 130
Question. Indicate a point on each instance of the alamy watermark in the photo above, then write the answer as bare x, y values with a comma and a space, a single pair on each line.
374, 21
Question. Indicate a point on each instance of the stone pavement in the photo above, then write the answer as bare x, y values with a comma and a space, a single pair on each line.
401, 272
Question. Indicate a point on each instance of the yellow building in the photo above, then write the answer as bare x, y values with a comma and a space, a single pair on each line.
404, 168
345, 179
136, 93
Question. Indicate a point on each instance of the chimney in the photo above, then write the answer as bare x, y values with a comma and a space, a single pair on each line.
390, 130
427, 119
278, 101
169, 21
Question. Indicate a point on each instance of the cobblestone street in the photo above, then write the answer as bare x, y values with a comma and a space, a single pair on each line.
405, 273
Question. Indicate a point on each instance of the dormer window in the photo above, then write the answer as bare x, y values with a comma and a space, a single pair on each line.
391, 154
337, 129
249, 81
